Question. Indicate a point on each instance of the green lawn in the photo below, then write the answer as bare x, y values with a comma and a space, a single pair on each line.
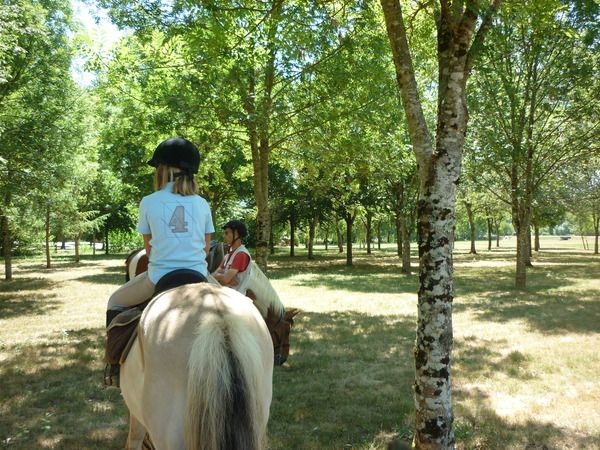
525, 365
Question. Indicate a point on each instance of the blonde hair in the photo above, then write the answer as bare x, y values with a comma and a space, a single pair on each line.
183, 185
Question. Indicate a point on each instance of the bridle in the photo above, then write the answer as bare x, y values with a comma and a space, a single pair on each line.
279, 341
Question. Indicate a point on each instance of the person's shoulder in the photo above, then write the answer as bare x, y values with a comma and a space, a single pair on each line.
201, 200
153, 197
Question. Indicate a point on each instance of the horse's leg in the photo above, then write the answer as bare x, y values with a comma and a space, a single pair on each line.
132, 379
135, 438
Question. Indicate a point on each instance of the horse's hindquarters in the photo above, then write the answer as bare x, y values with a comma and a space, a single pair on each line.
154, 379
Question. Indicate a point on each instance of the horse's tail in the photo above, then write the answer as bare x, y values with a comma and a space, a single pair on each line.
224, 404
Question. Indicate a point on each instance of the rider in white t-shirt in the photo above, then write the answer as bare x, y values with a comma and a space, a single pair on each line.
175, 222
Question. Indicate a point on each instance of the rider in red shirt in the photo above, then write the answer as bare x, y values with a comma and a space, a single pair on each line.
233, 271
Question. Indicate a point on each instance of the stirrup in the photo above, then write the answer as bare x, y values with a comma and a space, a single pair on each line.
111, 375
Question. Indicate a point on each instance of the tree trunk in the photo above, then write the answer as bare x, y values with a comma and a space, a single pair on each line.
497, 228
469, 207
326, 240
536, 230
292, 235
529, 253
259, 127
399, 235
340, 238
439, 172
47, 243
94, 244
349, 222
311, 237
489, 230
77, 240
522, 250
405, 247
106, 249
271, 239
596, 218
368, 226
7, 246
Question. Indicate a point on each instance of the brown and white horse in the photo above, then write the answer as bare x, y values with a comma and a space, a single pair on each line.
199, 375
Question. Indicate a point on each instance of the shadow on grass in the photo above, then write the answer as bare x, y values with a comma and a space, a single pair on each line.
479, 358
62, 262
20, 297
52, 396
367, 274
479, 426
110, 275
574, 312
349, 380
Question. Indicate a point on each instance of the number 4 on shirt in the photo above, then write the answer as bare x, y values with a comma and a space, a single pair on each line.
177, 222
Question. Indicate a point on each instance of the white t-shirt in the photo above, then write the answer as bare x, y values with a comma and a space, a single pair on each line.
177, 224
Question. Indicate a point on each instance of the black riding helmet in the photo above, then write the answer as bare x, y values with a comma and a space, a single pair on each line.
177, 152
237, 225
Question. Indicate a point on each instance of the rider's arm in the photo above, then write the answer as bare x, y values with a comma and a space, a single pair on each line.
207, 239
147, 245
227, 278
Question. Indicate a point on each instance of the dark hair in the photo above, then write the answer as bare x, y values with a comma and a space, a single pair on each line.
237, 225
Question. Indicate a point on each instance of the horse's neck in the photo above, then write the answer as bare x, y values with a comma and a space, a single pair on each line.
266, 296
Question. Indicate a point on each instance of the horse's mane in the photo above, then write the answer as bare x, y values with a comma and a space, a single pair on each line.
261, 287
266, 296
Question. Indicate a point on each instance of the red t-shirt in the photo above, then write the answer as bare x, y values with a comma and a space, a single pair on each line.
240, 262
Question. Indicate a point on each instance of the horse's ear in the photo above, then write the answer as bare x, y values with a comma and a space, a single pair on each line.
290, 314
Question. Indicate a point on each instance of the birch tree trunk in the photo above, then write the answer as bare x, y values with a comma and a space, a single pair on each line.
439, 171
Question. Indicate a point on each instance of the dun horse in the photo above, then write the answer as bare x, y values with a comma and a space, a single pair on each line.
199, 374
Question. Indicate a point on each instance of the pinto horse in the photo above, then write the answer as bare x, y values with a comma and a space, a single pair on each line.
199, 375
279, 320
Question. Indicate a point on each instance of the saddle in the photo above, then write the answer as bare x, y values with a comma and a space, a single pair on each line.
122, 331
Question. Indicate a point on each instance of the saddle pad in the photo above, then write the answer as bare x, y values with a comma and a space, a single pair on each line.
120, 335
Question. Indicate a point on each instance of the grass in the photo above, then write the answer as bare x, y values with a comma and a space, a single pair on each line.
525, 365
